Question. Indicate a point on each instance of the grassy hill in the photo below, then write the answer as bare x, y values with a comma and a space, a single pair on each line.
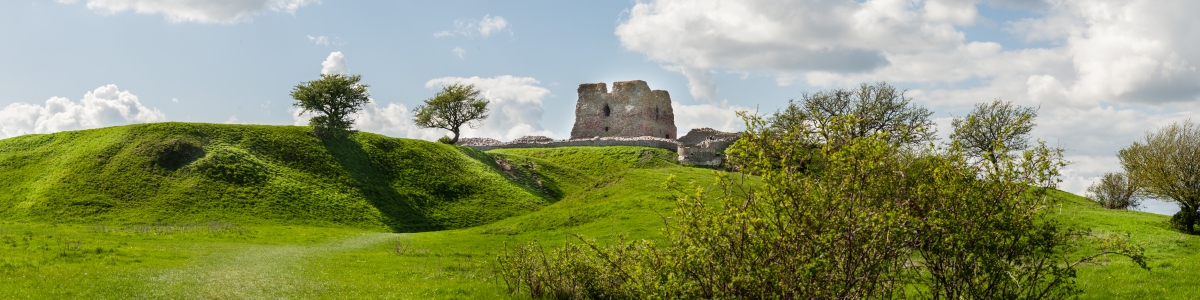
177, 172
276, 244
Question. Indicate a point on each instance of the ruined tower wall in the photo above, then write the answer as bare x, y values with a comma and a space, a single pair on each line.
630, 110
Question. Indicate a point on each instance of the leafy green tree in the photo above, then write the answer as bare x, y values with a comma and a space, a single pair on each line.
456, 105
1166, 165
839, 116
333, 98
993, 127
1115, 191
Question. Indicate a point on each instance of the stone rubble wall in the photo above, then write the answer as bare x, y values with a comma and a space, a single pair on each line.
709, 153
645, 141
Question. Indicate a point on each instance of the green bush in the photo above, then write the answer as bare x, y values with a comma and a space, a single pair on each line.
877, 221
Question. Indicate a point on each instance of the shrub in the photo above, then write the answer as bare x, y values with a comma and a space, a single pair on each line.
878, 220
1114, 191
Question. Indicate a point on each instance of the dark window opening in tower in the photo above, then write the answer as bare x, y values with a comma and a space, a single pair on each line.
668, 136
656, 115
605, 129
607, 110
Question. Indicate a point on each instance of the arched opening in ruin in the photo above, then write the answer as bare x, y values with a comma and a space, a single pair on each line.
667, 136
605, 128
607, 110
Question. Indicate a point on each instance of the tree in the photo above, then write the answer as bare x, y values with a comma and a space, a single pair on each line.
1166, 165
333, 99
994, 127
841, 115
1114, 191
456, 105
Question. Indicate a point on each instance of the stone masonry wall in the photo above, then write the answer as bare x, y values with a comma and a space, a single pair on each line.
705, 147
630, 110
644, 141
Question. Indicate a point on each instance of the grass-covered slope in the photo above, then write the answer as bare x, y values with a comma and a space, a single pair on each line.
177, 172
1174, 257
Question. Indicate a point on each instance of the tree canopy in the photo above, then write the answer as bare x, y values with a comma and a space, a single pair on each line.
838, 116
333, 99
451, 108
1166, 164
994, 127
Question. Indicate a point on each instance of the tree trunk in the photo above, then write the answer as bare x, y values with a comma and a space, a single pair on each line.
454, 141
1189, 219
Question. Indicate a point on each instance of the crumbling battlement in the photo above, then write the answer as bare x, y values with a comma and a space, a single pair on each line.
630, 110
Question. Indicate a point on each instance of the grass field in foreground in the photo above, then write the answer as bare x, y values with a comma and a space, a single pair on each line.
601, 192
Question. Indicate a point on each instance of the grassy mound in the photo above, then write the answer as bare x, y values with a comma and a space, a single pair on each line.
181, 172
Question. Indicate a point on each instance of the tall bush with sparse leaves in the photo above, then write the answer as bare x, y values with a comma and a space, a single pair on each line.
1115, 191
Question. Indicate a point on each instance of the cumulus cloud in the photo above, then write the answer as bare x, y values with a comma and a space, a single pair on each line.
515, 109
485, 27
199, 11
335, 63
780, 36
104, 106
720, 116
1114, 68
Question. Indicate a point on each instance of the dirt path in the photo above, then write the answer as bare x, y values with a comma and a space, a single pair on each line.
254, 272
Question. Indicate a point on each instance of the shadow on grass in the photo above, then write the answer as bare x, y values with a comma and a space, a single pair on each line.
375, 184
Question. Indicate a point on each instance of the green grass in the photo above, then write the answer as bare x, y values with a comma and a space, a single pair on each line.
186, 172
1174, 257
101, 214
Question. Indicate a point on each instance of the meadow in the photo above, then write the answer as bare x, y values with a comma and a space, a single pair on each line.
200, 211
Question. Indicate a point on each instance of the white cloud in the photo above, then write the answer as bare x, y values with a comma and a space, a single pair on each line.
515, 109
233, 120
394, 119
325, 41
104, 106
780, 36
460, 52
1113, 68
320, 40
335, 63
199, 11
175, 100
485, 27
490, 25
721, 116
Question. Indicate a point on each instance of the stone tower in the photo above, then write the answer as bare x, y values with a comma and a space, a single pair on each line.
631, 110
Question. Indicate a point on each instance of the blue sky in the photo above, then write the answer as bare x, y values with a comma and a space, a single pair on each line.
1102, 72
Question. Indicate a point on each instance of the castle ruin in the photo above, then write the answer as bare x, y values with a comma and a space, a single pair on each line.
630, 110
630, 115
